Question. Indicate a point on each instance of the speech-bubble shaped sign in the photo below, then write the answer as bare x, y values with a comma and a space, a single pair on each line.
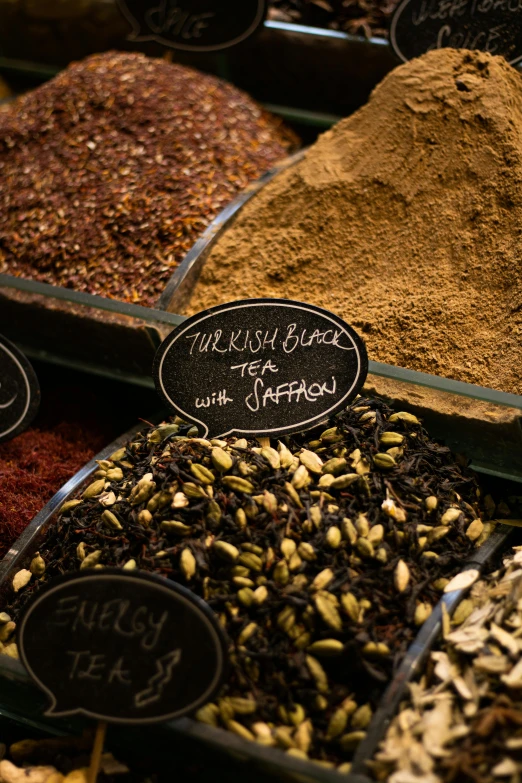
419, 26
260, 367
19, 391
122, 647
194, 25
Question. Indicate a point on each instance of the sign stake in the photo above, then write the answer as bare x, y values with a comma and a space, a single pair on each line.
264, 443
97, 749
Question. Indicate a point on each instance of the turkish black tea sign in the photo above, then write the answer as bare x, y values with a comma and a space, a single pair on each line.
195, 25
19, 391
120, 646
493, 26
260, 367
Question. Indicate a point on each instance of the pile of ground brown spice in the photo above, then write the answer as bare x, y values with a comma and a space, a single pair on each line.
111, 170
405, 219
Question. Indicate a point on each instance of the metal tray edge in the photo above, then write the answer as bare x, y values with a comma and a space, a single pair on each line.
420, 649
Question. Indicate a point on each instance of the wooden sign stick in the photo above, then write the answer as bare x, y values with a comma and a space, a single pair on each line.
97, 749
264, 443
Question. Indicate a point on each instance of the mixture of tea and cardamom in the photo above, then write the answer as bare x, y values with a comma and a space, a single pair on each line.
463, 718
321, 555
111, 171
404, 219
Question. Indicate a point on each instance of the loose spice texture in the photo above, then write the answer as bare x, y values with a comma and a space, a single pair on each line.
69, 429
321, 558
405, 219
463, 720
112, 169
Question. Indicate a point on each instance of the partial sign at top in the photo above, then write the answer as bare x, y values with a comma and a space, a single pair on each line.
489, 25
194, 25
19, 391
260, 367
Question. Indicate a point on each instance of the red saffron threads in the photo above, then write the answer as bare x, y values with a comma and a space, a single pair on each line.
70, 428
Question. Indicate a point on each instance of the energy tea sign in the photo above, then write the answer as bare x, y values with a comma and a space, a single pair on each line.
122, 647
260, 367
194, 25
493, 26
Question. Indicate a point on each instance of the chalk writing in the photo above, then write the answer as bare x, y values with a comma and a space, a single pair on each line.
290, 392
116, 616
194, 25
128, 648
168, 18
280, 366
493, 26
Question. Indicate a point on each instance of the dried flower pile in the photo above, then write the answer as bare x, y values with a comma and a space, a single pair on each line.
320, 557
463, 721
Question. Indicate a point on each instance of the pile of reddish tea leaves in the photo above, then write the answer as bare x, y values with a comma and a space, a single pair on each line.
112, 170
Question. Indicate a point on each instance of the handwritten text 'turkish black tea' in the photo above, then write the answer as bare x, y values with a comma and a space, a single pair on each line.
260, 367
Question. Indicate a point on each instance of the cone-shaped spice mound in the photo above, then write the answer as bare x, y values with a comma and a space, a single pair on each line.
111, 171
405, 219
321, 559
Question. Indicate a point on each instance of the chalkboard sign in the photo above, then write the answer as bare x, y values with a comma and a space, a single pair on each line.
122, 647
19, 391
491, 26
194, 25
260, 367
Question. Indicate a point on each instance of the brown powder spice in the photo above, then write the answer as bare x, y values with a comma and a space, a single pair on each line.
405, 219
111, 171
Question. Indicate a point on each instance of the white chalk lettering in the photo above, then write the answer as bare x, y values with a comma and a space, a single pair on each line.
252, 368
116, 616
239, 341
306, 339
291, 392
217, 398
168, 18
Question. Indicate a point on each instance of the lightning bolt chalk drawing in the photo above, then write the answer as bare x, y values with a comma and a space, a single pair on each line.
157, 682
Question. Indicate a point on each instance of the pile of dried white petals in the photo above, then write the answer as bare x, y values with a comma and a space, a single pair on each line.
463, 719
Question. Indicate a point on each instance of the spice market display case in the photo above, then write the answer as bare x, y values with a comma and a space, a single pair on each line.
181, 739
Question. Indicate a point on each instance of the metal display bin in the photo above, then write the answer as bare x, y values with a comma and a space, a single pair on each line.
185, 739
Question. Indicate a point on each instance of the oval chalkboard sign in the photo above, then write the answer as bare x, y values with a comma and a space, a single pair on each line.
19, 391
260, 367
421, 25
194, 25
120, 646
